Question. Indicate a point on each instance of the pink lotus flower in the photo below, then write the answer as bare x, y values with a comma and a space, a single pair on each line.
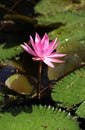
43, 51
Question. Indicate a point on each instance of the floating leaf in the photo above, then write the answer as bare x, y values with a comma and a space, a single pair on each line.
72, 42
71, 30
70, 90
61, 18
9, 45
81, 110
20, 84
75, 57
7, 53
33, 119
52, 7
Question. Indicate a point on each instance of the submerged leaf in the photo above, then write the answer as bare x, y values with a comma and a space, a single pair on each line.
20, 84
1, 97
16, 63
33, 119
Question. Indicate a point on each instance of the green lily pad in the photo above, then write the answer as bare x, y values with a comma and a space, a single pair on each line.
81, 110
9, 45
7, 53
75, 57
64, 18
70, 90
31, 118
71, 30
52, 7
72, 42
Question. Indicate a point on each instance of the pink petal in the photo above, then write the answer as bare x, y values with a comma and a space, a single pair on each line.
59, 61
32, 42
54, 60
46, 61
42, 45
45, 41
53, 42
28, 49
56, 55
36, 58
37, 47
52, 46
37, 38
25, 44
56, 46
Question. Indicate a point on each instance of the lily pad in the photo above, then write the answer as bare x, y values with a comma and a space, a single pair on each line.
70, 90
71, 30
52, 7
72, 42
31, 118
81, 110
67, 17
9, 45
75, 58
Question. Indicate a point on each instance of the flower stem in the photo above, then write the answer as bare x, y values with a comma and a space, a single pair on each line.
39, 80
